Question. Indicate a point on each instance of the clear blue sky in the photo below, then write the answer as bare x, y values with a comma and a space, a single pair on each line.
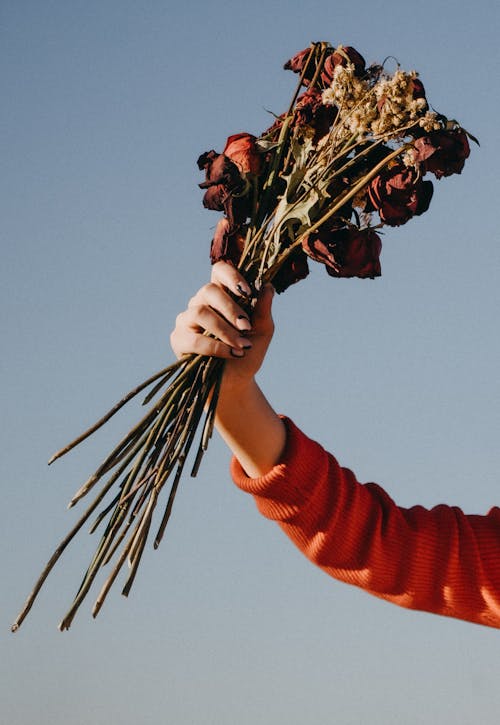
105, 109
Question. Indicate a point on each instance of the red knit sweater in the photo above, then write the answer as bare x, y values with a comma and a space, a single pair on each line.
438, 560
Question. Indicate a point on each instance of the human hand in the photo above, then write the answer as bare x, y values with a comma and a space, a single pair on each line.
241, 339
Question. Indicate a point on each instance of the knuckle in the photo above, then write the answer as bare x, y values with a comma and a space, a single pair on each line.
219, 268
221, 349
181, 322
210, 288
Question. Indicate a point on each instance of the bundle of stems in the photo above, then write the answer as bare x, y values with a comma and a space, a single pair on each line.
139, 467
291, 199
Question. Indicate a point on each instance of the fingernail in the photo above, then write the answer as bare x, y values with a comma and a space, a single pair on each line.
243, 323
244, 343
244, 290
237, 353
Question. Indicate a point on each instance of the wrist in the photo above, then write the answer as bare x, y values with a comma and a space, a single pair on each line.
237, 388
251, 428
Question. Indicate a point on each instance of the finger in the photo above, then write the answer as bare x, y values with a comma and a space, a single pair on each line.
215, 297
203, 318
225, 274
194, 342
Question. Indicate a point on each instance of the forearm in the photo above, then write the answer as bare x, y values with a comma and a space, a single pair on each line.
437, 560
251, 428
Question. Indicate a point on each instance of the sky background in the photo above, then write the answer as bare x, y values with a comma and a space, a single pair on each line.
105, 108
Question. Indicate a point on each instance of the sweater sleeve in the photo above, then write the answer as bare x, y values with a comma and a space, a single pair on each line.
437, 560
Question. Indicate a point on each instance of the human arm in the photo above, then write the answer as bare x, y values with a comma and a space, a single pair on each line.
438, 560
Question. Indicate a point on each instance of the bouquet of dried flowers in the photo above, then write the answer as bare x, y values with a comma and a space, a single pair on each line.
353, 153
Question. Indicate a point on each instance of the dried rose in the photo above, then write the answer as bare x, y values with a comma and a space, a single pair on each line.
298, 62
418, 90
242, 149
398, 193
214, 197
236, 208
443, 153
358, 253
206, 159
293, 270
346, 252
342, 56
226, 244
225, 187
219, 169
320, 246
310, 111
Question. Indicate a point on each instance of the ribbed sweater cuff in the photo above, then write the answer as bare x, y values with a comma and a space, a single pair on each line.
282, 491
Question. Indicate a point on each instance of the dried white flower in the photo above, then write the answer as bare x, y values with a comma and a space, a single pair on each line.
409, 158
396, 103
430, 122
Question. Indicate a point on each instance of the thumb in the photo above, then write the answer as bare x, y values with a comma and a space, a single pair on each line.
262, 321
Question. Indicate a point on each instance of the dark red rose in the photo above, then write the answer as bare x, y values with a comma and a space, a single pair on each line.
236, 208
293, 270
320, 246
443, 153
205, 160
219, 169
298, 62
226, 244
214, 197
342, 56
225, 187
310, 111
418, 90
398, 193
358, 254
346, 252
242, 150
